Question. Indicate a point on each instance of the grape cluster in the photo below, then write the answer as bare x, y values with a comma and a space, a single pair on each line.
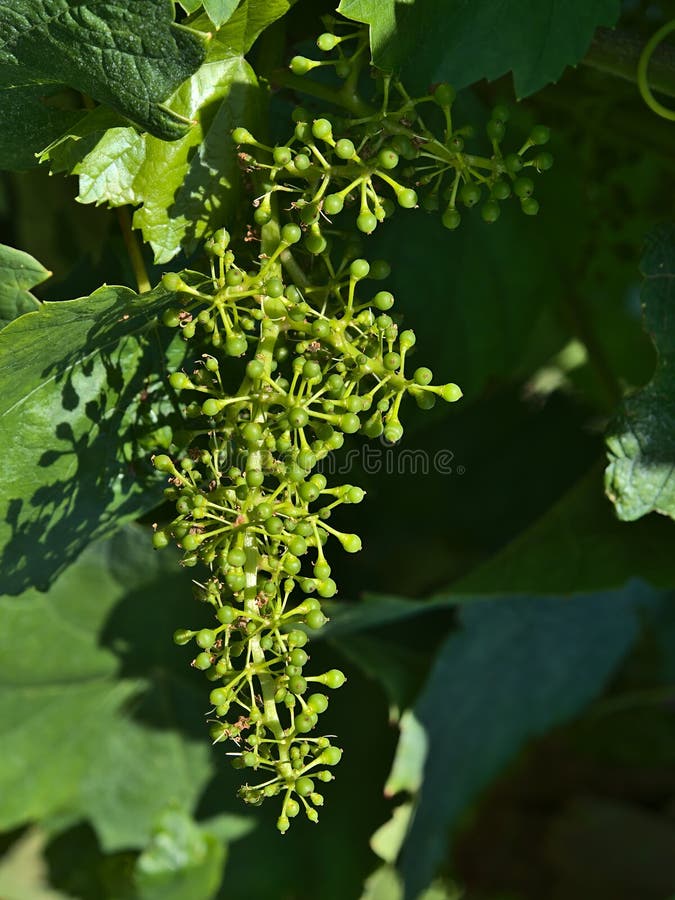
390, 155
284, 373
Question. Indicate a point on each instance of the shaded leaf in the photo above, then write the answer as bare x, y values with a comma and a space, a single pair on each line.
23, 870
219, 11
519, 666
82, 390
19, 272
126, 54
640, 477
462, 42
93, 724
30, 120
182, 862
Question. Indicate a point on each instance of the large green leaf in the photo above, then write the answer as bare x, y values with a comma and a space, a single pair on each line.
462, 42
219, 11
19, 272
640, 477
189, 187
518, 667
94, 718
126, 54
81, 396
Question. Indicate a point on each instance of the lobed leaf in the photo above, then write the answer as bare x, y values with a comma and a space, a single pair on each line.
126, 54
462, 42
19, 272
640, 477
81, 393
94, 722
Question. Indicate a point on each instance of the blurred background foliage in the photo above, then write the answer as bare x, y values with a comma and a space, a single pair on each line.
548, 704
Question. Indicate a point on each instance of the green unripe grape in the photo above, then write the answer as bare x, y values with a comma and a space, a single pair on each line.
444, 94
304, 786
252, 432
318, 703
407, 340
274, 525
379, 269
297, 685
242, 136
391, 361
262, 215
387, 159
303, 723
281, 156
423, 376
501, 190
163, 463
291, 233
159, 539
345, 149
311, 370
171, 318
308, 492
292, 808
202, 661
189, 330
529, 206
300, 65
490, 211
321, 329
425, 399
226, 615
206, 638
351, 543
292, 564
302, 162
274, 287
237, 557
298, 417
501, 113
236, 345
300, 114
451, 219
182, 636
366, 222
322, 570
359, 268
322, 129
333, 204
543, 161
393, 432
495, 130
469, 193
211, 363
331, 756
327, 41
353, 404
315, 619
298, 658
315, 243
513, 163
523, 187
540, 134
402, 144
297, 638
333, 679
191, 541
383, 300
171, 281
450, 392
349, 423
355, 495
326, 589
297, 545
407, 198
212, 407
219, 696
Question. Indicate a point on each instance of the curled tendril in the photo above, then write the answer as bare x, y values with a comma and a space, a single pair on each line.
643, 64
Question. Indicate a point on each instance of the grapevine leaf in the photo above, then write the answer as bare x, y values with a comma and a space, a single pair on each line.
78, 418
519, 666
462, 42
126, 54
182, 862
23, 870
29, 121
183, 188
93, 718
237, 36
640, 477
190, 6
219, 11
19, 272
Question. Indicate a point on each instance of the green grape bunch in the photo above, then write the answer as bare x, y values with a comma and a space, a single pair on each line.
293, 348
